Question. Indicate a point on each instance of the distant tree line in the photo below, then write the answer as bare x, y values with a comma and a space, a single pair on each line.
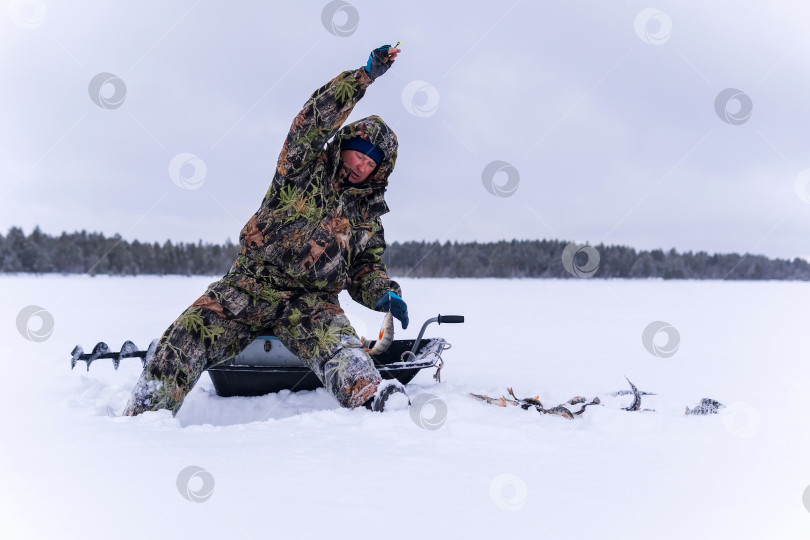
93, 253
543, 259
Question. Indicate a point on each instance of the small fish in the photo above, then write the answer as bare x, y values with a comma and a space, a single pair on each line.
636, 405
500, 402
527, 402
706, 406
559, 410
385, 339
594, 401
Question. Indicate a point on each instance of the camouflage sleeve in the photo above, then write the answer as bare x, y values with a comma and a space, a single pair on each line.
369, 280
322, 115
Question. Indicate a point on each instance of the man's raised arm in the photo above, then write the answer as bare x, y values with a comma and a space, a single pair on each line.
326, 110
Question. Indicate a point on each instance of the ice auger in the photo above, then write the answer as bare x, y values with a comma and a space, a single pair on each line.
102, 350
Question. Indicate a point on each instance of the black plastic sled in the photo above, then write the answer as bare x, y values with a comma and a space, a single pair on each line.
266, 365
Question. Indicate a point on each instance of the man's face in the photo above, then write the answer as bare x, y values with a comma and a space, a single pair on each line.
359, 164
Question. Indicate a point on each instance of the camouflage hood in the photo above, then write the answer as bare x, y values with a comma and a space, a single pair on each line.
376, 131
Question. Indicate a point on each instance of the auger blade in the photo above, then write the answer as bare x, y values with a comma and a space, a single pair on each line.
100, 350
150, 352
128, 349
75, 355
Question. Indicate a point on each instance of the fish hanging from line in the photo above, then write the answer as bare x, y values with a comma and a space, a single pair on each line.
385, 339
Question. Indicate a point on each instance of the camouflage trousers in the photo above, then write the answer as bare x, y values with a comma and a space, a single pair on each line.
224, 320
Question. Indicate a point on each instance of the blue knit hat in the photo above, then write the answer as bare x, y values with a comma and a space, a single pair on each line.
363, 146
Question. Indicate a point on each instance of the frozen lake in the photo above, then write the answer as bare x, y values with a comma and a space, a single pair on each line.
295, 465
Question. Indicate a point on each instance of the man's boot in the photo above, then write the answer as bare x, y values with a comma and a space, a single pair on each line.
390, 396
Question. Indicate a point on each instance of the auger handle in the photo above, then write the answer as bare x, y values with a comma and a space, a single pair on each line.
440, 319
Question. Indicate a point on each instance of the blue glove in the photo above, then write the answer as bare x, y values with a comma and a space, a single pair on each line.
378, 62
391, 301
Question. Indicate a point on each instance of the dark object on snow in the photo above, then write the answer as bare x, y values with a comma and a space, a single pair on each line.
636, 405
628, 392
383, 396
706, 406
266, 365
562, 410
527, 403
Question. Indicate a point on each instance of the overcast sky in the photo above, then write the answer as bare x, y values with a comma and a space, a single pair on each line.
604, 115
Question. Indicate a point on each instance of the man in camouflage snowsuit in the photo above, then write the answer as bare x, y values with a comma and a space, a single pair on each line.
317, 232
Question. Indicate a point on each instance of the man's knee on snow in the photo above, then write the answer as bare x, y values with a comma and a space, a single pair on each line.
350, 376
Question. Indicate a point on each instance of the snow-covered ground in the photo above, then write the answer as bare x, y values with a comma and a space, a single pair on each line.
297, 466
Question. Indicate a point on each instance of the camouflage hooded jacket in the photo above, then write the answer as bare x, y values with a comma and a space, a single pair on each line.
314, 230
